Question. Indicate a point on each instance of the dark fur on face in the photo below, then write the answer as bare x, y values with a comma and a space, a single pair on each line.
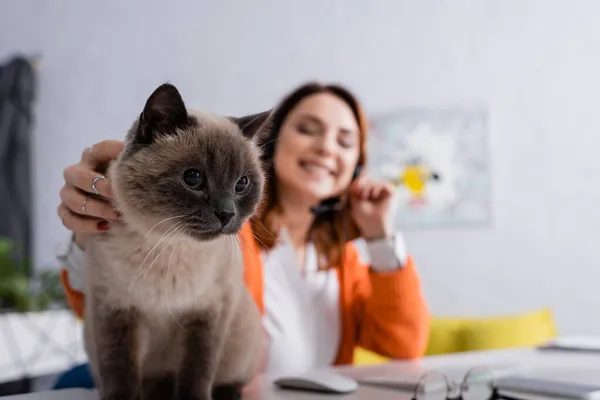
189, 171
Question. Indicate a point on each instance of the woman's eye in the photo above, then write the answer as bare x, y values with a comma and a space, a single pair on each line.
304, 129
193, 179
346, 142
242, 184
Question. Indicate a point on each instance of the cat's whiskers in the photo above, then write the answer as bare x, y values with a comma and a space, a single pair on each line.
165, 235
149, 269
260, 223
232, 251
233, 240
258, 240
167, 280
237, 239
179, 229
139, 272
176, 285
177, 275
158, 223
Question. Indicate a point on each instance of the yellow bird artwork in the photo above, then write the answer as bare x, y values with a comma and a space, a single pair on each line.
415, 176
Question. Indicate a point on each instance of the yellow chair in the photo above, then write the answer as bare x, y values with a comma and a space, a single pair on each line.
525, 330
445, 336
454, 335
366, 357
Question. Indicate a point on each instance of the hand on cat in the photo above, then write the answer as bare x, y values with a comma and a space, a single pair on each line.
97, 213
373, 207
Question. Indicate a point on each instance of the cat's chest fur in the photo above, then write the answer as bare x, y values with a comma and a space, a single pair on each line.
157, 273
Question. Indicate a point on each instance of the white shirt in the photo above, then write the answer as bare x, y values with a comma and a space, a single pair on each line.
302, 311
301, 316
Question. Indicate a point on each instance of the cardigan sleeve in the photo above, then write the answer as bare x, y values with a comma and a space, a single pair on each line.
71, 278
391, 313
75, 298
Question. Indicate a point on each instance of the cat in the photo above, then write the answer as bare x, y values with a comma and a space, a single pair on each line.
168, 315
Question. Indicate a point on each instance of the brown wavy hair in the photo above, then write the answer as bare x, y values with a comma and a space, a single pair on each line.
329, 233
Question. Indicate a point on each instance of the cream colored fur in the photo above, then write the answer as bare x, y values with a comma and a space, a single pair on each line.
162, 275
154, 276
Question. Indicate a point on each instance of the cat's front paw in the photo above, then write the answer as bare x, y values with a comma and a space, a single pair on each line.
186, 395
158, 387
194, 397
227, 392
122, 395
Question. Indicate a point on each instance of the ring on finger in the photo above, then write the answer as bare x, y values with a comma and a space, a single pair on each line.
83, 211
93, 184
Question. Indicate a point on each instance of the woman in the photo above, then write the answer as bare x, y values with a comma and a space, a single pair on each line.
318, 301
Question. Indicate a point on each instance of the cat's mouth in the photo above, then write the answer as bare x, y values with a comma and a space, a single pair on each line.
200, 230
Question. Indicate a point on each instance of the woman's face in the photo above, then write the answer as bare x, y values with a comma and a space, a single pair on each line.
317, 148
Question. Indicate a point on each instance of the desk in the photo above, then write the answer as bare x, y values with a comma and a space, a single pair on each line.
585, 367
363, 393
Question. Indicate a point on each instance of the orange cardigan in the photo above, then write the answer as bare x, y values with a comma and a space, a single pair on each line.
381, 312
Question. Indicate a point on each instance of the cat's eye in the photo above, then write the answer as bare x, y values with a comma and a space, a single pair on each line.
242, 185
193, 179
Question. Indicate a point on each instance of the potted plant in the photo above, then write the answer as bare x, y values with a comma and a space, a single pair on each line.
33, 322
22, 289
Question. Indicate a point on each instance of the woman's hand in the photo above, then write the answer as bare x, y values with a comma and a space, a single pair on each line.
81, 209
373, 208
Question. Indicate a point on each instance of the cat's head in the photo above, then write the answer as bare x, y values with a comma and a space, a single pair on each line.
189, 172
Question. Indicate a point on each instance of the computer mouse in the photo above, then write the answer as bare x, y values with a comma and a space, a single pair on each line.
318, 381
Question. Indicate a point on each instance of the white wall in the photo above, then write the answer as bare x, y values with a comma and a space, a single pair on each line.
535, 63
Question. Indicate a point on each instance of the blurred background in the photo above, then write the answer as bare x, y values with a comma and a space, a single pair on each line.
528, 67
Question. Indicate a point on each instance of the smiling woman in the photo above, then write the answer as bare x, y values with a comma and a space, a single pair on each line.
307, 160
314, 152
318, 301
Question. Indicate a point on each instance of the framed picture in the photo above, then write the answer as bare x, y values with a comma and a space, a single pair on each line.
438, 161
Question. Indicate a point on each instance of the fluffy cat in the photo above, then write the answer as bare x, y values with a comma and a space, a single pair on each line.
168, 315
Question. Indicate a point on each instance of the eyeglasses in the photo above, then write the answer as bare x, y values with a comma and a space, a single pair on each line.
477, 384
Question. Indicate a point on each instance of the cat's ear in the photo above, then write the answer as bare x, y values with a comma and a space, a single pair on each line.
163, 114
253, 125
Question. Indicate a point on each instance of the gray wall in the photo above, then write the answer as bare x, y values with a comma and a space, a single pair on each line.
534, 62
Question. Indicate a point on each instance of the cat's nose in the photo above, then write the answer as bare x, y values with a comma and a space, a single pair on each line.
224, 216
